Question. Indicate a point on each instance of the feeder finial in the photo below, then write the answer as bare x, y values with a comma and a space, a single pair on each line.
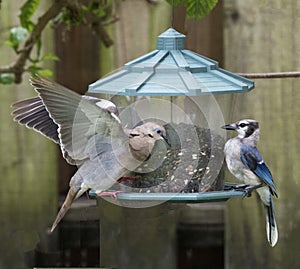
171, 40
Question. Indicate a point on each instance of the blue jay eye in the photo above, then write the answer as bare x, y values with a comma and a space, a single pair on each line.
243, 124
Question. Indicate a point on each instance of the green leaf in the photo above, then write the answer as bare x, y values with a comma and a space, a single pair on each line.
99, 12
38, 47
72, 16
45, 73
96, 8
27, 10
50, 56
37, 70
7, 78
16, 36
176, 2
196, 9
9, 43
34, 69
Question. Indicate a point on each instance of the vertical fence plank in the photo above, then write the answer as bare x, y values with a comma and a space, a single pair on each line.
27, 165
263, 36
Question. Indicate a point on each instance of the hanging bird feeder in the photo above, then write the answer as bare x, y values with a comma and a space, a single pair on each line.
171, 70
185, 83
177, 87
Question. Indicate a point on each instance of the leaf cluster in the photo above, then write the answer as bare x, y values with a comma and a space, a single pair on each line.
72, 12
196, 9
93, 13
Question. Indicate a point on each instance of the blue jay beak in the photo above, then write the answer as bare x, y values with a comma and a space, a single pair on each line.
229, 127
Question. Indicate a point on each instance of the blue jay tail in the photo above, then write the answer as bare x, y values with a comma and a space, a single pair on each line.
271, 226
64, 208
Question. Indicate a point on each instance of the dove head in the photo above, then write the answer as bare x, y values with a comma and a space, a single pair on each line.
153, 130
142, 139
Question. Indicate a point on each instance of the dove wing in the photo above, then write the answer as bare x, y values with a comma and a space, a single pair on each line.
33, 114
78, 119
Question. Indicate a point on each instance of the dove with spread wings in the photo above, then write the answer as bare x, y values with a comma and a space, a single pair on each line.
90, 135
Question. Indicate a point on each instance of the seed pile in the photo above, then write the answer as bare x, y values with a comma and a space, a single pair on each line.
190, 164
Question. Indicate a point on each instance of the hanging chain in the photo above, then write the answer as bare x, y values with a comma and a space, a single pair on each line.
172, 18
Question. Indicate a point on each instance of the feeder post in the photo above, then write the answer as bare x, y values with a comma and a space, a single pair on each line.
134, 238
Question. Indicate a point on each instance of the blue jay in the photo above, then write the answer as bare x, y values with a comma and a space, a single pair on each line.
246, 164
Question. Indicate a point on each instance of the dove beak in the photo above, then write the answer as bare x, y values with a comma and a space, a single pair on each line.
165, 139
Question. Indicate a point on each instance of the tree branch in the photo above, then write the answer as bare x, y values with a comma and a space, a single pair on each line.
98, 27
295, 74
18, 67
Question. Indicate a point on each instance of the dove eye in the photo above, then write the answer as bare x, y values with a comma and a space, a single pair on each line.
158, 131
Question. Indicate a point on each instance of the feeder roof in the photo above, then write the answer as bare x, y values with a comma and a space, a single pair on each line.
171, 70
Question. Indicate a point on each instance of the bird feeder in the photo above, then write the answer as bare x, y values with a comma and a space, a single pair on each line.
176, 87
171, 70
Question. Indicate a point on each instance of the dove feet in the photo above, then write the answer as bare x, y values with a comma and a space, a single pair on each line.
112, 194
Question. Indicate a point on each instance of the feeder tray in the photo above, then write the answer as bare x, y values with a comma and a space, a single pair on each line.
200, 197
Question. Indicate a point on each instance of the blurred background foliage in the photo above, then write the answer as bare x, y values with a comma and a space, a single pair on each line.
94, 14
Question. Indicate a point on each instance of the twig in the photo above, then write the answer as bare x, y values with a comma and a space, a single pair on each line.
110, 21
18, 67
295, 74
152, 2
97, 26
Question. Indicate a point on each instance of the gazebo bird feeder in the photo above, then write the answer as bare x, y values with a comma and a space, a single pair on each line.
177, 87
182, 78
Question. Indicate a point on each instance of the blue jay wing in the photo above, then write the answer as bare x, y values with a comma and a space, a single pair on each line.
251, 157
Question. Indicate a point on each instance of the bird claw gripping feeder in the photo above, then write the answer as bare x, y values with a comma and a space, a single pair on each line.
185, 82
176, 87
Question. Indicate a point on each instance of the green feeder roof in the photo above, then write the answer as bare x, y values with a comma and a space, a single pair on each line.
171, 70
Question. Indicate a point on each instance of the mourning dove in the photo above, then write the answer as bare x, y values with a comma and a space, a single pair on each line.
90, 135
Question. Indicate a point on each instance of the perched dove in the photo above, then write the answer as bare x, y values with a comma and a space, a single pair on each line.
90, 135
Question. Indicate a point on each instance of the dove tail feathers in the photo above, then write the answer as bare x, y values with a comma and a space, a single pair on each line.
65, 207
271, 226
